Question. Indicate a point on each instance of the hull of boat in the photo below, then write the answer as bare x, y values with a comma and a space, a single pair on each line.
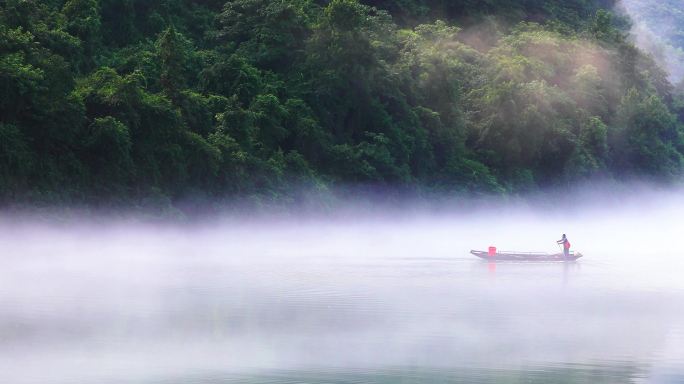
522, 256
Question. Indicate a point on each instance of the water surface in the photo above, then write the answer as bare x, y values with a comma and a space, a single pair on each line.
343, 301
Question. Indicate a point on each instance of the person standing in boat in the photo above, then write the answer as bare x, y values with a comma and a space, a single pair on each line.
566, 246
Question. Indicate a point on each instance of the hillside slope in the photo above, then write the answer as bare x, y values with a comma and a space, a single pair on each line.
119, 101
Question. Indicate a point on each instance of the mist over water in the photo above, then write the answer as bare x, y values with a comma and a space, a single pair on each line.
373, 297
653, 32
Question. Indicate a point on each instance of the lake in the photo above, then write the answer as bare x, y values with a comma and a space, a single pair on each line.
368, 300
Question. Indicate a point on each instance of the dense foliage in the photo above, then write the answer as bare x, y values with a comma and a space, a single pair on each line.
131, 100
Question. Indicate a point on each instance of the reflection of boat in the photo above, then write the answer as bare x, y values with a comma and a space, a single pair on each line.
526, 256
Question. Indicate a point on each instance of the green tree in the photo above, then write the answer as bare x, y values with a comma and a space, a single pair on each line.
83, 21
173, 51
642, 141
271, 34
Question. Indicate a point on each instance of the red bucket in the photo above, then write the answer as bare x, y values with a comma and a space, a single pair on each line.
492, 251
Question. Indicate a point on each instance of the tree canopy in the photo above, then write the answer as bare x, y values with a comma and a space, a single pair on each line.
122, 101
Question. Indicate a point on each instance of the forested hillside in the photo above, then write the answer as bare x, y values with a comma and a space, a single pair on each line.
119, 101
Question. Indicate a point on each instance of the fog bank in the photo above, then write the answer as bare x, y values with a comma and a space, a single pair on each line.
250, 299
655, 29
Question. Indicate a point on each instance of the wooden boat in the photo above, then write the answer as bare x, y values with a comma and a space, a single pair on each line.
526, 256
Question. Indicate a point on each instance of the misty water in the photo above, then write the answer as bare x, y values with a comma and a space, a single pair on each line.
353, 298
